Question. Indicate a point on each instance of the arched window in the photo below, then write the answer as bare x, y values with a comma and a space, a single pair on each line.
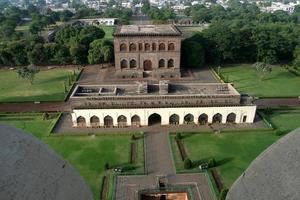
153, 47
123, 64
174, 119
122, 121
94, 121
171, 47
123, 47
162, 47
203, 119
147, 47
147, 65
135, 120
81, 121
189, 118
231, 118
132, 63
170, 63
154, 119
217, 118
161, 63
108, 121
132, 47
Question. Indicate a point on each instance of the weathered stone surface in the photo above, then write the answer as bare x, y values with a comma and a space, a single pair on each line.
274, 174
30, 170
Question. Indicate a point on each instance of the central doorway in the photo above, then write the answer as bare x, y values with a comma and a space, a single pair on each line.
147, 65
154, 119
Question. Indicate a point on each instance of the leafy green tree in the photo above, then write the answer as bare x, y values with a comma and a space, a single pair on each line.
37, 55
65, 15
78, 53
296, 61
100, 51
146, 6
263, 69
28, 72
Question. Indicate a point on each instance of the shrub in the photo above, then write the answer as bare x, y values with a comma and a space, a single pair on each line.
133, 137
178, 136
187, 163
223, 194
106, 166
268, 111
211, 163
45, 116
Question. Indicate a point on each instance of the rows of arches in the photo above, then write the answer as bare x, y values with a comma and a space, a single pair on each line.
162, 63
156, 118
124, 64
147, 64
147, 47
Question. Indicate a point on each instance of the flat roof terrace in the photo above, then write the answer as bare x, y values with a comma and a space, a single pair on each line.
147, 30
144, 89
143, 95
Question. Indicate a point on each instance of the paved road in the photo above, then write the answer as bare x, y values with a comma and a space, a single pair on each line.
158, 155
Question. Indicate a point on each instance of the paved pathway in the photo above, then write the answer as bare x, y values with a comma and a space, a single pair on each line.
159, 163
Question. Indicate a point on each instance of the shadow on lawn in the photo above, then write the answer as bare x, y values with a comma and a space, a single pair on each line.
224, 161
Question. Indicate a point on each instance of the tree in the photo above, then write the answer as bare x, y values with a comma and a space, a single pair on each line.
187, 163
263, 69
28, 72
192, 54
100, 51
35, 27
296, 54
78, 53
146, 6
37, 55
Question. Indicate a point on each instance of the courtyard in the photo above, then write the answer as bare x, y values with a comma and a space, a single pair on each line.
279, 83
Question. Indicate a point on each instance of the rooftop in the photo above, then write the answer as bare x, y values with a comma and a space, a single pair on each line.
147, 30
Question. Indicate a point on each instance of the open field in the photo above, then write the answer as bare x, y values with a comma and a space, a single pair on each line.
48, 86
233, 151
280, 83
108, 31
88, 154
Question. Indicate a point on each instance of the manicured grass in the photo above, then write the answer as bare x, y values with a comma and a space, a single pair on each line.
109, 30
88, 154
189, 31
233, 151
48, 86
280, 83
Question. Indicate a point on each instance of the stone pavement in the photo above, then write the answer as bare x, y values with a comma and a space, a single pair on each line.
159, 163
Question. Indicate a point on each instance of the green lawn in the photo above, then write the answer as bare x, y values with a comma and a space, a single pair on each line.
233, 151
88, 154
109, 30
48, 86
189, 31
280, 83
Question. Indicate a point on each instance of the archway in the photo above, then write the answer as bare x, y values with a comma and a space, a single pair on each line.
170, 63
123, 64
108, 121
217, 118
189, 119
174, 119
132, 47
147, 65
135, 120
231, 118
171, 47
132, 63
154, 119
203, 119
123, 47
81, 121
122, 121
147, 47
94, 121
162, 47
161, 63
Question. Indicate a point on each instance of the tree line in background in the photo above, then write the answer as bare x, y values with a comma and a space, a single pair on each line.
72, 45
242, 33
157, 15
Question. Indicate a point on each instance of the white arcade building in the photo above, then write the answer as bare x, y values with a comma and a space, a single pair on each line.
164, 102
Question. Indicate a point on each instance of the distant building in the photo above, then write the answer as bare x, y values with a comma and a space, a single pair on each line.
147, 50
